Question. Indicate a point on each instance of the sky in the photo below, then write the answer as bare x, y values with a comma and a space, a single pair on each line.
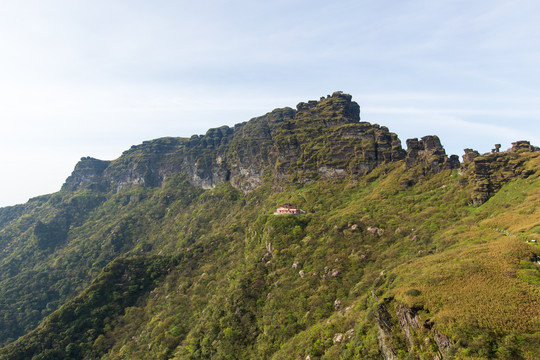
91, 78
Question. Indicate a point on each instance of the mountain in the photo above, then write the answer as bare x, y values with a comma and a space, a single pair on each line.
173, 251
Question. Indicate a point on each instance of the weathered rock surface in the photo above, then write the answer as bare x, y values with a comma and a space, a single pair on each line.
429, 154
497, 148
392, 339
408, 322
522, 146
470, 155
489, 172
384, 332
320, 139
87, 173
443, 342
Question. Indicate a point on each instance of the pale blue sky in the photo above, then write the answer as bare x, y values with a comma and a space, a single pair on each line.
92, 78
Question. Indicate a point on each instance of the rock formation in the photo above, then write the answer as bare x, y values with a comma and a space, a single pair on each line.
489, 172
87, 173
384, 331
497, 148
429, 154
522, 145
408, 322
470, 155
320, 139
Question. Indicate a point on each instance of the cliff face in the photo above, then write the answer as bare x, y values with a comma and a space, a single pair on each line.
317, 140
489, 172
88, 173
320, 139
430, 155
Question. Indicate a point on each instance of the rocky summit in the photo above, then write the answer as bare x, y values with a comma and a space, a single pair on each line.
304, 233
320, 139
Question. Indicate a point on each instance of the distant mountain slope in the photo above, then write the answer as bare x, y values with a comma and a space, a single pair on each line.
172, 251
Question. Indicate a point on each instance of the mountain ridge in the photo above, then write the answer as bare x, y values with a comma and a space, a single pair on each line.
172, 250
282, 137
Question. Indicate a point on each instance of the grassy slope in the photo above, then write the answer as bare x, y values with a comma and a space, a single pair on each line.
484, 290
254, 285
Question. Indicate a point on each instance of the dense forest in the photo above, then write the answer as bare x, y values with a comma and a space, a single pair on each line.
173, 250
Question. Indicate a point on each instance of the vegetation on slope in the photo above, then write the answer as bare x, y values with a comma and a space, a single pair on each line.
257, 285
395, 263
70, 331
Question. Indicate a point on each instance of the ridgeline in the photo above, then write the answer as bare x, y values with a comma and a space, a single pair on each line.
173, 251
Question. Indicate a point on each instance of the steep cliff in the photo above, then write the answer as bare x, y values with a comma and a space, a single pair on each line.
320, 139
88, 173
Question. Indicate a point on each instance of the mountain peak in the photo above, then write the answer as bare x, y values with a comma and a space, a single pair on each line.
322, 138
333, 110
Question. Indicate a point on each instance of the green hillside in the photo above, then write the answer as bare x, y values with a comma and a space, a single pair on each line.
172, 251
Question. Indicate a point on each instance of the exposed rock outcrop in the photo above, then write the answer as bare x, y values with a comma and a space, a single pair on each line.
489, 172
522, 146
408, 322
392, 339
384, 332
429, 154
321, 139
88, 173
443, 342
470, 155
